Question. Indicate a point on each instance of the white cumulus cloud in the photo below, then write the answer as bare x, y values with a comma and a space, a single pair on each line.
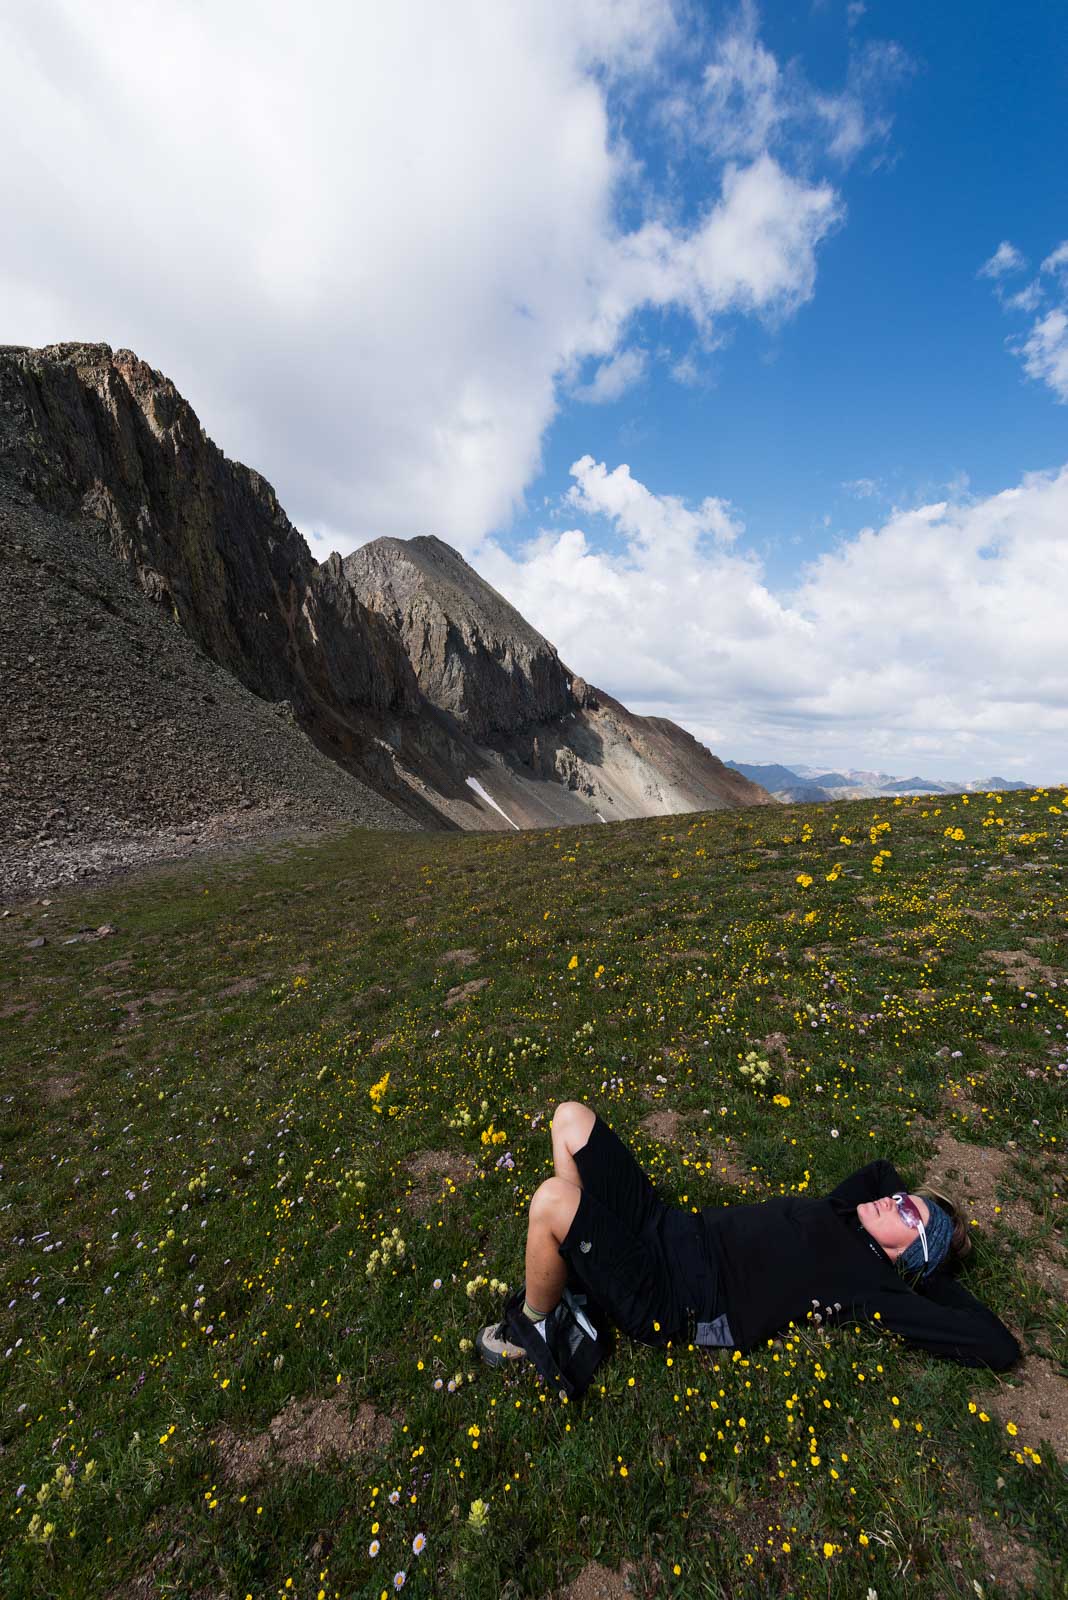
755, 250
374, 245
1045, 352
1043, 349
662, 527
938, 634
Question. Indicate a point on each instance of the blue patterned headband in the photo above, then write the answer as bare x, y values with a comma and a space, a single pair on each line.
939, 1232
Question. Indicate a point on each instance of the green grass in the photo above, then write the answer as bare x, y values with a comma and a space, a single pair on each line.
184, 1239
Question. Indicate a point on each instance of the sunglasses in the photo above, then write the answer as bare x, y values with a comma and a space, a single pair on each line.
910, 1216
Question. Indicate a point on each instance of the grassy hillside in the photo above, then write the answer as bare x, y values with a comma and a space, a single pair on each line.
266, 1162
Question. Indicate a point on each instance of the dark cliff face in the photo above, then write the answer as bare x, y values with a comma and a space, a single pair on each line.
401, 664
480, 662
91, 432
472, 652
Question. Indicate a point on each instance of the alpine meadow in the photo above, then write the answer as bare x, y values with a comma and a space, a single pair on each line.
272, 1123
533, 800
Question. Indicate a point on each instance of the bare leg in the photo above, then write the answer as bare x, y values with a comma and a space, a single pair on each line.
571, 1126
552, 1211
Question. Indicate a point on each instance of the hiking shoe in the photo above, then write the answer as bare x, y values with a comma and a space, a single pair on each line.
494, 1348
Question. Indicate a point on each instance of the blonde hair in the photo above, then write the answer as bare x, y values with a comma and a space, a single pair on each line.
960, 1244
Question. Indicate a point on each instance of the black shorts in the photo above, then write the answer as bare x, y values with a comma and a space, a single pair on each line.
641, 1258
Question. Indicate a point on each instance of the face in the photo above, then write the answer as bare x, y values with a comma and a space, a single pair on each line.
886, 1225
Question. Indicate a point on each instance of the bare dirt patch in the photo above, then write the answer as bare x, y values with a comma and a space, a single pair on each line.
372, 998
728, 1166
973, 1176
60, 1086
1022, 967
879, 947
239, 986
595, 1582
464, 991
663, 1125
1052, 1275
458, 958
25, 1009
156, 998
306, 1433
1035, 1397
755, 1520
434, 1174
1004, 1560
144, 1585
959, 1103
172, 1541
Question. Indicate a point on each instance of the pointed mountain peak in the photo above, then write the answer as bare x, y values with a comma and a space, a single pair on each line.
474, 654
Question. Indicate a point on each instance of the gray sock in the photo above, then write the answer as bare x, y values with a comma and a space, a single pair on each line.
536, 1317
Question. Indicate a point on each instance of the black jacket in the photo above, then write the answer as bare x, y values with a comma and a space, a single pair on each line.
774, 1259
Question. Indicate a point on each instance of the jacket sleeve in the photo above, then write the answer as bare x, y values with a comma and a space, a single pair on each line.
944, 1319
870, 1183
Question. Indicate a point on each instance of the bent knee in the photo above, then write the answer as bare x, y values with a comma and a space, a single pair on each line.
550, 1192
554, 1200
572, 1115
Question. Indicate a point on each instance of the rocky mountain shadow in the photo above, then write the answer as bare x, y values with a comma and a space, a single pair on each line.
477, 659
177, 659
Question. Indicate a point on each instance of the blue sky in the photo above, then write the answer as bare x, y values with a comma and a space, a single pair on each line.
896, 371
729, 342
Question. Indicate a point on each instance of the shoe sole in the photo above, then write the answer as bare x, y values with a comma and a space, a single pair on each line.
493, 1358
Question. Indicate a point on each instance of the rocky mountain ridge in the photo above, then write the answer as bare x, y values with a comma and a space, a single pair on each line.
472, 653
94, 434
478, 660
122, 741
436, 700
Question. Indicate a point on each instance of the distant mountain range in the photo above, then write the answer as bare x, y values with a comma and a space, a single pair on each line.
813, 784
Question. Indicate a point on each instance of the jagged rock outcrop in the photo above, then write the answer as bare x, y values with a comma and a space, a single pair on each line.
92, 432
477, 658
122, 741
472, 652
178, 664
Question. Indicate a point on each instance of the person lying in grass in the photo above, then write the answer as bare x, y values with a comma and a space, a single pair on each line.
735, 1276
